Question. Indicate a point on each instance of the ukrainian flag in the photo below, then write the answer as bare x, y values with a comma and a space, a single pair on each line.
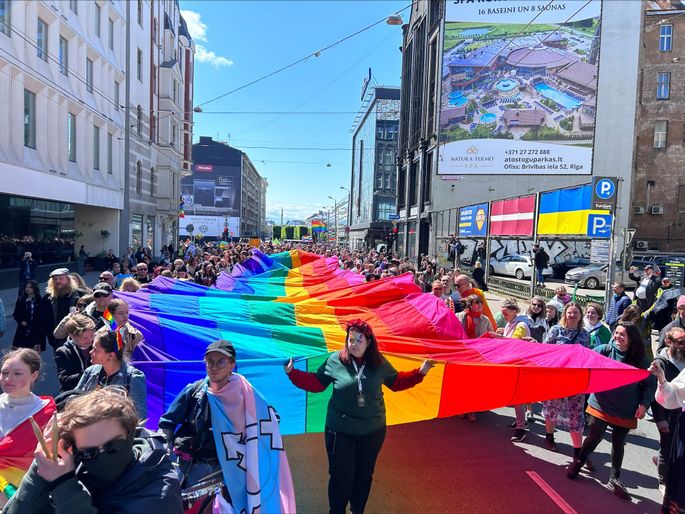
565, 211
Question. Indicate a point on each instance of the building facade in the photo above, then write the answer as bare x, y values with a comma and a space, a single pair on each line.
373, 185
658, 185
225, 196
428, 202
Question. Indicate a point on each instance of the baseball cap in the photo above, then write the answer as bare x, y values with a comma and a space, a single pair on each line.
59, 271
221, 346
102, 289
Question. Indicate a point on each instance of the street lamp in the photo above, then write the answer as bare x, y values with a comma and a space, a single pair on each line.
335, 210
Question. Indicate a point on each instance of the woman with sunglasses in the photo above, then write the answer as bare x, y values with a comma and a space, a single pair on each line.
618, 408
355, 419
104, 463
109, 369
536, 319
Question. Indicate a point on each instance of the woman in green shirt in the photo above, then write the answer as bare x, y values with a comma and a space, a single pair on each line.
355, 419
599, 332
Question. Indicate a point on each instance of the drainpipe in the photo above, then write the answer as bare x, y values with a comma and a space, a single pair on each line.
125, 214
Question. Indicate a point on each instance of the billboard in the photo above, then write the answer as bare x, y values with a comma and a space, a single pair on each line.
513, 217
519, 87
473, 220
212, 196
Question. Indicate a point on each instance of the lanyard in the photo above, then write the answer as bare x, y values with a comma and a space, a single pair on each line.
359, 375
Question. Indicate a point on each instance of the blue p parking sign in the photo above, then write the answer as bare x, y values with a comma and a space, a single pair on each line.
605, 188
599, 226
604, 193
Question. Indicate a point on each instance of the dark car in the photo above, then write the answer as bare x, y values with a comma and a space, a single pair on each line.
560, 268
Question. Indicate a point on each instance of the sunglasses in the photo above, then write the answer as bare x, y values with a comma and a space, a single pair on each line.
91, 453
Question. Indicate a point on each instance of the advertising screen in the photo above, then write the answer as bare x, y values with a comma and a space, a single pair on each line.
473, 220
519, 87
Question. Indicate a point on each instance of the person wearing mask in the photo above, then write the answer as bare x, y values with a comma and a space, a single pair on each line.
73, 357
355, 419
118, 312
671, 361
20, 371
59, 298
102, 294
671, 395
678, 321
27, 314
567, 411
105, 463
618, 303
109, 369
516, 328
465, 288
645, 294
619, 408
599, 332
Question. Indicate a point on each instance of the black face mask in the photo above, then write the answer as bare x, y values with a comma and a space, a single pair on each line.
101, 467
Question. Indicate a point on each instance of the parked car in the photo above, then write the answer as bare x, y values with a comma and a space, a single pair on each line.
519, 266
593, 276
560, 268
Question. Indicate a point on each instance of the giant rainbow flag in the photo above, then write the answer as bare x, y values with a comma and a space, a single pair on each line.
297, 304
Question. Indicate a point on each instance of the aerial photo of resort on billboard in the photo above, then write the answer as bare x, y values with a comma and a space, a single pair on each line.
523, 83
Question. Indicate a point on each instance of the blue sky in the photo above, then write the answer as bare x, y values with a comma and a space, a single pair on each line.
241, 41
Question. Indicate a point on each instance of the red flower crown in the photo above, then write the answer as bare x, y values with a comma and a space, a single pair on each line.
360, 326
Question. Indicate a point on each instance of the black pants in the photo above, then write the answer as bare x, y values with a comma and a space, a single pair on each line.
618, 441
351, 460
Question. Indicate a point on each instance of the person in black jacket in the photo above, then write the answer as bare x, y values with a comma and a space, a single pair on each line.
541, 259
671, 360
59, 300
73, 357
27, 270
27, 314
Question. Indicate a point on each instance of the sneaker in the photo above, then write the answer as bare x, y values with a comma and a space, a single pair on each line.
616, 486
574, 469
550, 445
512, 425
519, 435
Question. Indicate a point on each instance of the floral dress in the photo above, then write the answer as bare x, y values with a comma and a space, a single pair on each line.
566, 412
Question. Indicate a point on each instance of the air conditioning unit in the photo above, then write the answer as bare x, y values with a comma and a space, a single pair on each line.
639, 209
657, 209
641, 245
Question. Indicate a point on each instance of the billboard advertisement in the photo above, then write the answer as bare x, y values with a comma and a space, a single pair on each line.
212, 195
519, 87
208, 226
473, 220
513, 217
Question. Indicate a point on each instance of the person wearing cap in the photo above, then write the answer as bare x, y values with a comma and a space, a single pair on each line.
102, 292
187, 424
678, 321
59, 300
645, 294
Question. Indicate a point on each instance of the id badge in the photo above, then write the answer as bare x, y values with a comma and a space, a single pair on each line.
361, 400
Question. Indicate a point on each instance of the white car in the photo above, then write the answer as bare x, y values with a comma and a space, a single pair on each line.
519, 266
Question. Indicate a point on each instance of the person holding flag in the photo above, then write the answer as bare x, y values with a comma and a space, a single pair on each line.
221, 424
116, 316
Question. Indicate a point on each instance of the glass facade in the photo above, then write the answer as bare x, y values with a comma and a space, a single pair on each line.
136, 231
43, 227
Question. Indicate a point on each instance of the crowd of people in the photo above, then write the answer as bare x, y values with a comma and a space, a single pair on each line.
105, 461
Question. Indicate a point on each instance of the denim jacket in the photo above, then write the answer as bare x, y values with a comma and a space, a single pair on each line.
128, 377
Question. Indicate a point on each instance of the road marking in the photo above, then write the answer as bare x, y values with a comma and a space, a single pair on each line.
555, 496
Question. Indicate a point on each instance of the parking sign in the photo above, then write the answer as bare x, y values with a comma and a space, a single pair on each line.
599, 226
604, 193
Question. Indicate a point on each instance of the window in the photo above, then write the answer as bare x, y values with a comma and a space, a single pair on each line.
63, 56
153, 128
663, 86
139, 65
111, 34
29, 119
174, 91
140, 12
110, 149
174, 129
89, 75
71, 137
116, 95
660, 133
42, 40
96, 147
139, 122
153, 180
73, 5
97, 20
5, 26
139, 177
665, 38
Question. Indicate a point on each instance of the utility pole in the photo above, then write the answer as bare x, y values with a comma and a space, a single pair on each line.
124, 216
281, 216
335, 209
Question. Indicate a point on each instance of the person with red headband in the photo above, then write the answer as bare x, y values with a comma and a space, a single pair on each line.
109, 369
355, 419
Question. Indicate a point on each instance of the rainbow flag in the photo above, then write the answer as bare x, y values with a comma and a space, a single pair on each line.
566, 211
109, 317
297, 304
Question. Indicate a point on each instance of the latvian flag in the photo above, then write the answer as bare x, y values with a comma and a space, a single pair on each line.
513, 217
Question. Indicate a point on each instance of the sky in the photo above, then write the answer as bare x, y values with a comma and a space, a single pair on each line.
303, 114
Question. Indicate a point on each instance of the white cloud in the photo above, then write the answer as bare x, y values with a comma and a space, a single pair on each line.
204, 55
198, 31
